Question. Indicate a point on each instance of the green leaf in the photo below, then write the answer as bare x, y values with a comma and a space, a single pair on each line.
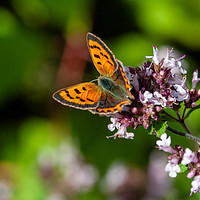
191, 110
158, 128
183, 168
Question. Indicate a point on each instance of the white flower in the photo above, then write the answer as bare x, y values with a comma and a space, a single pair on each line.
173, 168
180, 93
195, 185
127, 135
156, 98
174, 64
122, 133
164, 143
169, 62
155, 58
144, 98
159, 99
115, 124
195, 79
189, 157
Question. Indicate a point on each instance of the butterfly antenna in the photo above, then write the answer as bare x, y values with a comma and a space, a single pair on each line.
94, 80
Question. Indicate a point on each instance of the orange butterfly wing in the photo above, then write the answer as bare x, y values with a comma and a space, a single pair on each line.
109, 104
96, 99
121, 79
102, 56
83, 96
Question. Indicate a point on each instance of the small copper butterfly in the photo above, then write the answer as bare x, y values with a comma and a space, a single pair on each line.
112, 91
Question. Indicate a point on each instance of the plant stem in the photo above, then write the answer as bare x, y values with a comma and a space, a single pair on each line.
188, 135
163, 111
182, 122
183, 116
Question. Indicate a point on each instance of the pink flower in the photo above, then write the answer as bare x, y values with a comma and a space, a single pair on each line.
195, 185
191, 174
195, 79
180, 93
164, 143
189, 157
173, 168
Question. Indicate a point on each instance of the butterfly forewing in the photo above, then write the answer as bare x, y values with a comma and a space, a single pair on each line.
82, 96
102, 57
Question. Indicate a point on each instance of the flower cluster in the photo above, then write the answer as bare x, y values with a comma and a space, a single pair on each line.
66, 170
122, 181
179, 157
157, 84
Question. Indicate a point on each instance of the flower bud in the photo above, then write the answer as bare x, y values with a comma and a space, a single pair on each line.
191, 174
198, 93
192, 91
193, 105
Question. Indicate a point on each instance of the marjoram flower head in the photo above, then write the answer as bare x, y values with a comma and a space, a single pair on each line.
158, 84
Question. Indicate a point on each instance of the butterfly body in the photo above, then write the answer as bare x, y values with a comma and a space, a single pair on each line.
112, 91
109, 86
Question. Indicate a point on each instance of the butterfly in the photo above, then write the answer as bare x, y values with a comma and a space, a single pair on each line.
113, 90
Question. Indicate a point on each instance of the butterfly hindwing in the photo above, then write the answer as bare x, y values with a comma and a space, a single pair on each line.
83, 96
102, 56
109, 104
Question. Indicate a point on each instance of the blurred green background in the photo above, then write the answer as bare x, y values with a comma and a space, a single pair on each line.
48, 151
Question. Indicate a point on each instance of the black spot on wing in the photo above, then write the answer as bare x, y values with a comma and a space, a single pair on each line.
105, 56
99, 63
96, 56
69, 96
77, 91
109, 62
95, 47
90, 100
84, 88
